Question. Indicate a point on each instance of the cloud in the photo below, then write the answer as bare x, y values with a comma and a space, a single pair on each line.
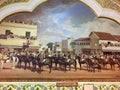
59, 19
97, 24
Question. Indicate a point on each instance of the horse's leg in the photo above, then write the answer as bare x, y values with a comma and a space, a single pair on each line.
40, 69
25, 65
99, 68
29, 64
13, 63
16, 62
20, 64
111, 66
69, 67
114, 66
105, 66
65, 67
55, 65
75, 64
50, 67
34, 66
80, 65
93, 68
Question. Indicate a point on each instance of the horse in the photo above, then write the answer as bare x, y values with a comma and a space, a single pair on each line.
102, 62
23, 59
44, 62
116, 59
14, 60
63, 61
70, 62
81, 61
112, 61
92, 65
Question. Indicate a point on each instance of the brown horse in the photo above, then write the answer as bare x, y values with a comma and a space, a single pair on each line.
102, 62
111, 62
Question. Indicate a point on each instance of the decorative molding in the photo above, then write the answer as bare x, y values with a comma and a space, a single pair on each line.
53, 86
110, 4
19, 7
8, 2
102, 8
101, 11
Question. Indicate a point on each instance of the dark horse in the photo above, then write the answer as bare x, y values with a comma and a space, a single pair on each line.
70, 62
45, 62
92, 65
25, 59
80, 61
63, 61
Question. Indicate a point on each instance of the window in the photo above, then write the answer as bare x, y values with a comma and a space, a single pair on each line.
27, 34
7, 32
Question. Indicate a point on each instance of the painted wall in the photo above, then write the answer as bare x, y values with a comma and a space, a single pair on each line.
18, 28
80, 45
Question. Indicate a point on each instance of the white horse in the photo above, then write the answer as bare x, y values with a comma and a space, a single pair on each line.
14, 60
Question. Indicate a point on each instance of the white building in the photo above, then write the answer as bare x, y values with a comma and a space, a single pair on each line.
66, 44
82, 45
98, 43
58, 46
102, 42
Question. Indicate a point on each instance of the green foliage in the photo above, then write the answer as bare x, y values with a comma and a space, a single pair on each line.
50, 45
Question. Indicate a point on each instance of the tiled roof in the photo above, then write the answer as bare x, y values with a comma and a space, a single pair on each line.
83, 39
105, 36
117, 37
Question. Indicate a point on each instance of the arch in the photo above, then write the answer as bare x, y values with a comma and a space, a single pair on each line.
32, 4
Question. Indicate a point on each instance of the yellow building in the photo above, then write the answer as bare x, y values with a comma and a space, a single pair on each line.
15, 35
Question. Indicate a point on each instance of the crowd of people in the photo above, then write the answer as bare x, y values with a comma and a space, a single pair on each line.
5, 56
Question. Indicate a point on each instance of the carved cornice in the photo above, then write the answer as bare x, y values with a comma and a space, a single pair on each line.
102, 8
8, 2
110, 4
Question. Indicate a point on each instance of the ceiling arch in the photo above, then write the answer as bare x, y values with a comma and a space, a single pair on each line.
100, 8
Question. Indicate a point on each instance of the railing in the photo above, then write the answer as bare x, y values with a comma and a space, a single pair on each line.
17, 42
3, 36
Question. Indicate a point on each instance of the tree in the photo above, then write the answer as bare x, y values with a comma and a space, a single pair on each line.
72, 44
50, 45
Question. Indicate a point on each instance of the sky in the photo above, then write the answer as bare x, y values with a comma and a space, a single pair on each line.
60, 19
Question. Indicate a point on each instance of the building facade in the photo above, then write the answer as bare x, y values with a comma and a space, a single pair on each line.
98, 43
102, 42
66, 45
16, 35
82, 45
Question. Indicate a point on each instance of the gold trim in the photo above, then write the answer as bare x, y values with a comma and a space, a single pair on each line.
59, 80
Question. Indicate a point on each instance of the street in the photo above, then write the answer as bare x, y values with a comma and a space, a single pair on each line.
8, 72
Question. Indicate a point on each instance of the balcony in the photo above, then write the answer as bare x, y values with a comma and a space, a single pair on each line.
111, 47
17, 42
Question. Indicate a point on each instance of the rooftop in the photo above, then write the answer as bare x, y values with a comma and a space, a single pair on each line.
83, 39
105, 36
